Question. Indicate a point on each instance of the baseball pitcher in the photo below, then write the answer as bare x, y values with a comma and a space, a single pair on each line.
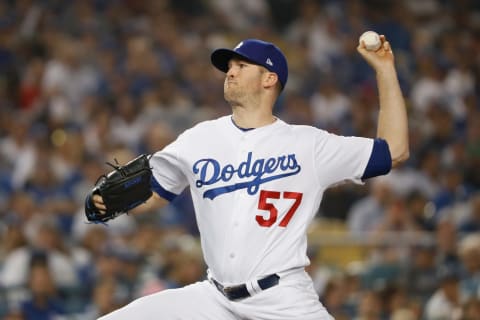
256, 184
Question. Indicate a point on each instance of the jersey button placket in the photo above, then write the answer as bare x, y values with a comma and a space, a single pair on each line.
234, 228
243, 147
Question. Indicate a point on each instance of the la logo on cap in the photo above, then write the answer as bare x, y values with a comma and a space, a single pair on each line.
269, 62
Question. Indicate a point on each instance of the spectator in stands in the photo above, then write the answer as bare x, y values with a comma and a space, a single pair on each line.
452, 191
469, 252
447, 238
184, 263
366, 213
18, 150
445, 303
422, 265
370, 307
44, 303
472, 221
105, 299
334, 298
330, 107
417, 207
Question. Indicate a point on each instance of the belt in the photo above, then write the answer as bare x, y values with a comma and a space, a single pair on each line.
240, 291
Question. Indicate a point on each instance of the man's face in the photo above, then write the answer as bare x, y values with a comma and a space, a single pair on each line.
243, 81
470, 259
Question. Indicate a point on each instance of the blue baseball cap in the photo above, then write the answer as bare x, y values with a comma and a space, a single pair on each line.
260, 52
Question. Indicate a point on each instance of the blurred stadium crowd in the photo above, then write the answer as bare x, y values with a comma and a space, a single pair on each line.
88, 81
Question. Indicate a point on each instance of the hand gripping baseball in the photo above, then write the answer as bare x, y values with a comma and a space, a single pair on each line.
121, 190
379, 58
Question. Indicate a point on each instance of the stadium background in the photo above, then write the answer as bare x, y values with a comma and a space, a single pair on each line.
84, 82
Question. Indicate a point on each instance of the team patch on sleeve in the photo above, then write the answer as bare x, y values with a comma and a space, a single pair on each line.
380, 161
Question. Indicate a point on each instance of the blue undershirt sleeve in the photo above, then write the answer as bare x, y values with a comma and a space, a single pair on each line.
156, 187
380, 161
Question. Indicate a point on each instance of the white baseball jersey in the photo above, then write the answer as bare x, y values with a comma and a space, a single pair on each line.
256, 191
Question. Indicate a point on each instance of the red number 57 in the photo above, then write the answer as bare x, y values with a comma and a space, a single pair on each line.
272, 218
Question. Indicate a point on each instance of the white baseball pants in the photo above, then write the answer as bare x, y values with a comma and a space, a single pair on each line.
293, 298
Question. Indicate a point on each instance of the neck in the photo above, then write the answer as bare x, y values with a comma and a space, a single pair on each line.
251, 118
253, 114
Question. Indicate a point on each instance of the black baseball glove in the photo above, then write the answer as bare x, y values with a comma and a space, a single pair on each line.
123, 189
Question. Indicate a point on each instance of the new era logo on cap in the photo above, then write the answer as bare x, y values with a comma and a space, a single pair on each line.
238, 45
257, 51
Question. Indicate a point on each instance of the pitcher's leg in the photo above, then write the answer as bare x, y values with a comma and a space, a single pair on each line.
197, 301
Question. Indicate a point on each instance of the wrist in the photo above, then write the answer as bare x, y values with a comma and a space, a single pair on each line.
387, 69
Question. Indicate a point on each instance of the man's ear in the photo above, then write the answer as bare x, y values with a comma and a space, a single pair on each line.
270, 79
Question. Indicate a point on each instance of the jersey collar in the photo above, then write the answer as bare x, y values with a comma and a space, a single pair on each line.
249, 129
243, 129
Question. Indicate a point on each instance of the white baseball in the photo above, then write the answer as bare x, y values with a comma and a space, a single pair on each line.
371, 40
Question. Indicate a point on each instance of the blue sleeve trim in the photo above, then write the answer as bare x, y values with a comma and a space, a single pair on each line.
161, 191
380, 161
